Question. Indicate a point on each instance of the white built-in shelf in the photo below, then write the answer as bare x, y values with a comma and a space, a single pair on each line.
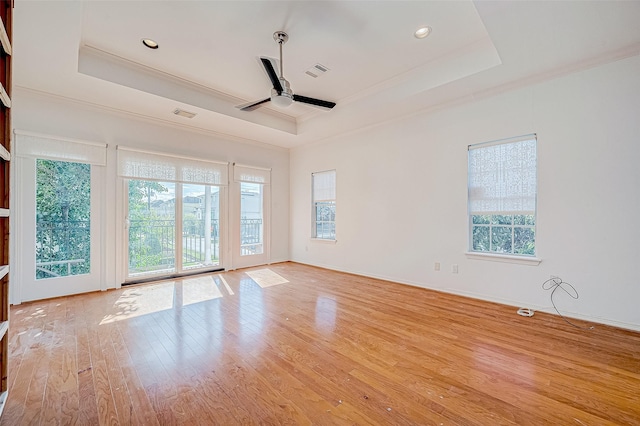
4, 212
4, 97
4, 270
4, 39
4, 154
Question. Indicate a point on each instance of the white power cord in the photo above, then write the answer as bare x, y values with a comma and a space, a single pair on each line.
525, 312
556, 283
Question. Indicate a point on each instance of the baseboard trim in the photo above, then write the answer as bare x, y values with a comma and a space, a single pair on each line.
479, 296
545, 309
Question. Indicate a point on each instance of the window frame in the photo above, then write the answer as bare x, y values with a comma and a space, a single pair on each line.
329, 201
490, 254
512, 227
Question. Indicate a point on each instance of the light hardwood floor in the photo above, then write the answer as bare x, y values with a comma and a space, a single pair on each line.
310, 346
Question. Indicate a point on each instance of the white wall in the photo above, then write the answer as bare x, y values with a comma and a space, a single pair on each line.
53, 116
402, 195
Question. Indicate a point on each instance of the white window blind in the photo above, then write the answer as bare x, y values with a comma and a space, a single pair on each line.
502, 177
60, 149
135, 164
324, 186
242, 173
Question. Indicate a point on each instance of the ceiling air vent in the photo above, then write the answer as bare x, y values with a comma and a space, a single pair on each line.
183, 113
316, 71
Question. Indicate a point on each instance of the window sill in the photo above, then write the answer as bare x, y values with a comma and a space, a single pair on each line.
522, 260
323, 240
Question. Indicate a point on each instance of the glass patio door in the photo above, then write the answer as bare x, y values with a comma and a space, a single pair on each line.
173, 219
173, 228
151, 224
200, 226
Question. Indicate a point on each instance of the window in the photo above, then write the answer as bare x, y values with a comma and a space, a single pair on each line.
324, 205
502, 196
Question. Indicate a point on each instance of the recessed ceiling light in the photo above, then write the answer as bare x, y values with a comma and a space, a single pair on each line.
151, 44
422, 32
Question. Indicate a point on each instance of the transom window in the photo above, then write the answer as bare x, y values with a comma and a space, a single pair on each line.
324, 205
502, 196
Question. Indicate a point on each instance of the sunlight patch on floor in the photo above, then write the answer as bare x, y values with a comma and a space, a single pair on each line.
224, 282
143, 300
266, 277
139, 301
200, 289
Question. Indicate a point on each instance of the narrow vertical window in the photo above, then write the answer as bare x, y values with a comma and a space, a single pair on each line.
502, 196
324, 205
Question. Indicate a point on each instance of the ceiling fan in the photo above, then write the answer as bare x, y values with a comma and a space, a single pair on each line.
281, 94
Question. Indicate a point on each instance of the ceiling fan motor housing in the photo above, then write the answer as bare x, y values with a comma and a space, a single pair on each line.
284, 98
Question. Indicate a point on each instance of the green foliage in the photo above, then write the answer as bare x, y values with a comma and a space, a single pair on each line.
63, 190
481, 238
63, 216
148, 232
508, 234
141, 194
524, 241
501, 239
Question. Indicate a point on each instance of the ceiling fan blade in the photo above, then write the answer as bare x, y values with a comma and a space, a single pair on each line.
272, 74
252, 105
313, 101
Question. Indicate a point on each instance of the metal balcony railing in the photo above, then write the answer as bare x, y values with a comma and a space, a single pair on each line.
62, 248
152, 243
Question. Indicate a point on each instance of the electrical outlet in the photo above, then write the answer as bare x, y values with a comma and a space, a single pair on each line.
454, 268
436, 266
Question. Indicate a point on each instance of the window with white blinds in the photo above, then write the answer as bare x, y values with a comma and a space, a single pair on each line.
502, 192
60, 149
250, 174
136, 164
324, 205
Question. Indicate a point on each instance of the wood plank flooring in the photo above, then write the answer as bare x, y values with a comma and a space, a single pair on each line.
302, 345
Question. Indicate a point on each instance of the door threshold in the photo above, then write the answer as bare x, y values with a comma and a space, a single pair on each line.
170, 277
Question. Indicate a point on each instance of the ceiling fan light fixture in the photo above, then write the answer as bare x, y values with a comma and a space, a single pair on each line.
281, 101
422, 32
151, 44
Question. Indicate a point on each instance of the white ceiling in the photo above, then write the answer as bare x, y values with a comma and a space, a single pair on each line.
91, 52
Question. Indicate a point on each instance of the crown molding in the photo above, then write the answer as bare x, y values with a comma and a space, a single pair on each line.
149, 119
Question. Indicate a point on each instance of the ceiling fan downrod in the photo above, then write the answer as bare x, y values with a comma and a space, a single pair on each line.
281, 38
